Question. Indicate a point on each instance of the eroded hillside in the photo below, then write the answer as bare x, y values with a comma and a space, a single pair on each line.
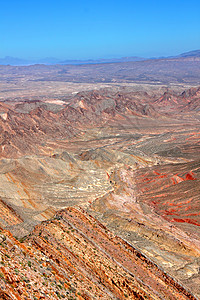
73, 256
131, 160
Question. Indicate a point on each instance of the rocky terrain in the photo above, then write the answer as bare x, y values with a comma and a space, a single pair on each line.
174, 70
121, 157
74, 257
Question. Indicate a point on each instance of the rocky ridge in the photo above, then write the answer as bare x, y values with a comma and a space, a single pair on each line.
73, 256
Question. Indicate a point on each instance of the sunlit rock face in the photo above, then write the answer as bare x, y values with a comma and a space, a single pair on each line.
130, 159
73, 255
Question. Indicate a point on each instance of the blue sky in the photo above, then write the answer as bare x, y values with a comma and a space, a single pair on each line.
96, 29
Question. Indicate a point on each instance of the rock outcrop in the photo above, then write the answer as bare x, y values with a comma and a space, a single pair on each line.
73, 256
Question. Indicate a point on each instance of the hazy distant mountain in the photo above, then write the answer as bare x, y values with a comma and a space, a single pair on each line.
103, 60
195, 53
14, 61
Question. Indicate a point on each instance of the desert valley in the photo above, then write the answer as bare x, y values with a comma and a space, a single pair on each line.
100, 180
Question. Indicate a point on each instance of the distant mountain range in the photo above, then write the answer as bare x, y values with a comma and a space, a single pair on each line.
14, 61
103, 60
195, 53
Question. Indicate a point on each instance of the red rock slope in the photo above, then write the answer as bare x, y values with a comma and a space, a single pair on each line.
73, 256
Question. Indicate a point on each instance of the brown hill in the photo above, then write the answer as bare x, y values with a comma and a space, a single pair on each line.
30, 132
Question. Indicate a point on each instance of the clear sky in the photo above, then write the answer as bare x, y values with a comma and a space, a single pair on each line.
81, 29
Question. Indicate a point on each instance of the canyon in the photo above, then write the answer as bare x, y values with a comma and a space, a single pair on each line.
99, 187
